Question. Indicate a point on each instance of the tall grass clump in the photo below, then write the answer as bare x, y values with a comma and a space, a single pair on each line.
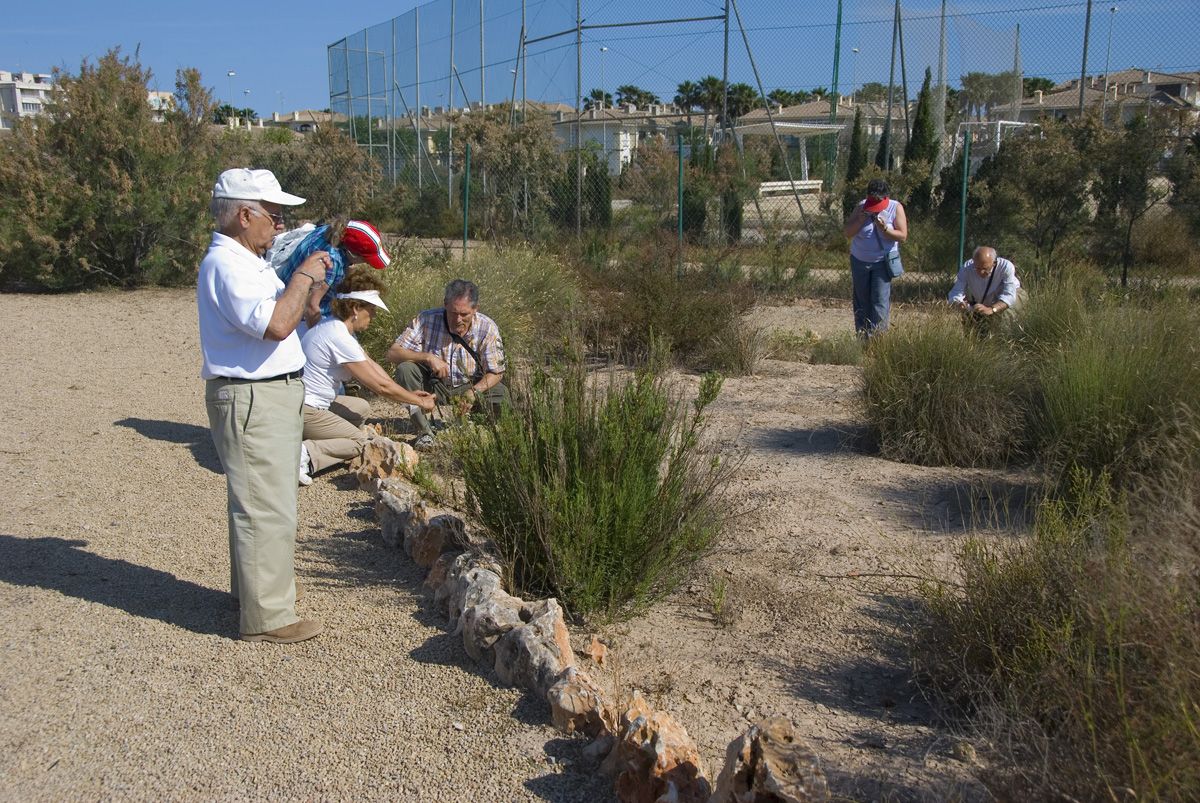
597, 490
937, 395
1075, 653
531, 294
1111, 399
844, 348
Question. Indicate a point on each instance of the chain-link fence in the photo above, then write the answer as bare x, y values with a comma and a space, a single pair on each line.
721, 120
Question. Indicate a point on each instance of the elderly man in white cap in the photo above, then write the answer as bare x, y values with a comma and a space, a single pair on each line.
253, 364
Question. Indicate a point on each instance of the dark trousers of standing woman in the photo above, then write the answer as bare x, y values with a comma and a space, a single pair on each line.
872, 295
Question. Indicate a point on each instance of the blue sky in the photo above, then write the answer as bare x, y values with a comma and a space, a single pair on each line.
279, 50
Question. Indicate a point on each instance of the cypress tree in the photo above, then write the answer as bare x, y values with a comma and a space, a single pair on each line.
881, 160
922, 145
857, 159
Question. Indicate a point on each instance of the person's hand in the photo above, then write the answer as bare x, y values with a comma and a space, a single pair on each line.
981, 309
437, 366
427, 400
962, 305
317, 267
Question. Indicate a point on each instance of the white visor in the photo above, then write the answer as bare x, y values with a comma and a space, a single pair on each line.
369, 296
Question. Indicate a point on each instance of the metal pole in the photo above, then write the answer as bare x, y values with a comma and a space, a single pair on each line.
449, 121
904, 74
831, 168
578, 117
1112, 12
725, 77
887, 151
417, 71
466, 196
679, 201
482, 63
524, 69
367, 65
1087, 31
962, 206
939, 110
392, 107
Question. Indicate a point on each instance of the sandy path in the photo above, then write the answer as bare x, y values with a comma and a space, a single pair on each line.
121, 676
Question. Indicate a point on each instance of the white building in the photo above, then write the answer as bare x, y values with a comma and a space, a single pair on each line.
22, 94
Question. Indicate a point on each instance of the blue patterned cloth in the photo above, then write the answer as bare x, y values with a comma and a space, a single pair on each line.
317, 240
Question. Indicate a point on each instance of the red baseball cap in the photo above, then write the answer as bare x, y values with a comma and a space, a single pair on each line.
875, 203
363, 240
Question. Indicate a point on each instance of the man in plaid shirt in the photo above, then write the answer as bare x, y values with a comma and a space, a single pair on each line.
453, 351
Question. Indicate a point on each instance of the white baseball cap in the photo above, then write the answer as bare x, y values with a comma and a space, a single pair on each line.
369, 296
244, 184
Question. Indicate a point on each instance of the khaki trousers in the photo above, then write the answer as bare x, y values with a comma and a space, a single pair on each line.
256, 429
334, 436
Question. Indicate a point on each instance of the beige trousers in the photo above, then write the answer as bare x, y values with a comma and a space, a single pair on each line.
256, 429
334, 436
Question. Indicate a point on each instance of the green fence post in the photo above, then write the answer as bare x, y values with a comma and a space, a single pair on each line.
962, 207
679, 200
466, 196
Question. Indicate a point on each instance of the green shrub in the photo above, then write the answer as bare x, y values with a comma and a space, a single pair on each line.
532, 295
1111, 399
639, 298
936, 395
791, 346
598, 493
841, 349
1087, 650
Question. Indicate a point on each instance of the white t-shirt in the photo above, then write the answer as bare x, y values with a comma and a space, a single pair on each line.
328, 347
236, 292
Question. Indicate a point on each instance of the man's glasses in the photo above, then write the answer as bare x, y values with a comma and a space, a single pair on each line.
276, 217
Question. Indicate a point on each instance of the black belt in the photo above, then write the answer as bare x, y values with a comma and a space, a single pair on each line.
293, 375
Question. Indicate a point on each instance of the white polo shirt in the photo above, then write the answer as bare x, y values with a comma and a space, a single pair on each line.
235, 296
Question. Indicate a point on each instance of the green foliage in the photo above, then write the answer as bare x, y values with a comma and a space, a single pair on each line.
841, 349
600, 494
628, 93
923, 144
1084, 650
1124, 191
857, 159
94, 192
639, 300
531, 295
938, 395
1112, 394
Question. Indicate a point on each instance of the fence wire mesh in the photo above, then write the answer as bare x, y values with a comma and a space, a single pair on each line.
736, 115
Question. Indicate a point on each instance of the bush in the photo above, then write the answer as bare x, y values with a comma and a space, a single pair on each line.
1083, 654
937, 395
639, 299
1111, 398
532, 295
94, 192
841, 349
600, 494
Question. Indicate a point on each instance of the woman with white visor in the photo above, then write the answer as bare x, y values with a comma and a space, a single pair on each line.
333, 422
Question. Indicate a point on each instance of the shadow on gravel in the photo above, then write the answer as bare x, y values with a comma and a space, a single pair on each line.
65, 566
876, 687
965, 505
197, 439
578, 779
810, 441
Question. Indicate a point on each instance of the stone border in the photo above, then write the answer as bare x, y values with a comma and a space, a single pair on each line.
648, 754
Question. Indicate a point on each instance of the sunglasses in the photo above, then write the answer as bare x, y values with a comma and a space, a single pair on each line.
276, 217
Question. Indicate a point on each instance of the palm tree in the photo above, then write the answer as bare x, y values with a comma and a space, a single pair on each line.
687, 98
639, 97
974, 94
712, 97
598, 99
742, 98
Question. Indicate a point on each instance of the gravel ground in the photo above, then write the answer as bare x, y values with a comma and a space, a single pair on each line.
121, 674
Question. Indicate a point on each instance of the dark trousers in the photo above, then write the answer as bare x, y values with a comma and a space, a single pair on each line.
415, 376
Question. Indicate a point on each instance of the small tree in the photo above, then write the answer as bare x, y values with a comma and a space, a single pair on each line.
1124, 189
857, 159
923, 144
882, 161
628, 93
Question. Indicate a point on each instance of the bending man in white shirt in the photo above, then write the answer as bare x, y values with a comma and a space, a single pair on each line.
987, 284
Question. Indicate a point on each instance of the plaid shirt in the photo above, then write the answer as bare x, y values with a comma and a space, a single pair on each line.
428, 334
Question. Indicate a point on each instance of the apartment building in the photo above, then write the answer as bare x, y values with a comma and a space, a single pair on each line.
22, 94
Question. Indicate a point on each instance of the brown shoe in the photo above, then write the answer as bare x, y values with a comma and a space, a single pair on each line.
297, 631
236, 603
